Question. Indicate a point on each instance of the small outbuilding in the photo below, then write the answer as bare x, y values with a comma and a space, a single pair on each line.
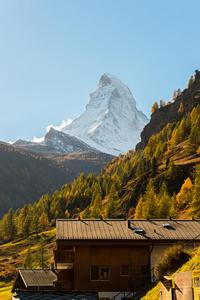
34, 280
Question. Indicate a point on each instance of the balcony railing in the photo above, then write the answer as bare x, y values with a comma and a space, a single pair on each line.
64, 256
63, 285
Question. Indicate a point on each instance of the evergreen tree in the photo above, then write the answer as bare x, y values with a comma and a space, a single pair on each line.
96, 210
154, 164
41, 256
164, 202
181, 109
139, 209
173, 210
195, 205
44, 222
190, 82
174, 95
154, 107
28, 259
162, 103
11, 229
150, 202
86, 213
173, 172
111, 208
193, 141
184, 197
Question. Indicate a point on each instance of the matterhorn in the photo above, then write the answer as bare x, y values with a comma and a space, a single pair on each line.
111, 122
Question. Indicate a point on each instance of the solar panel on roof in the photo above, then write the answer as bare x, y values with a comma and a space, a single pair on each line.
138, 230
166, 225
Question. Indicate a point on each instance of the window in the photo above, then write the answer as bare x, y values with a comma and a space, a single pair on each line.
104, 273
94, 272
125, 270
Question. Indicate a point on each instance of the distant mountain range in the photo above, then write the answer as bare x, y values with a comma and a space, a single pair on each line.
55, 142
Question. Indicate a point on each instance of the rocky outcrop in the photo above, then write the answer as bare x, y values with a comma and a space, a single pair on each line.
189, 98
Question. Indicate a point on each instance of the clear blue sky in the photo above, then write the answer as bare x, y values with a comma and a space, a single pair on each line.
53, 52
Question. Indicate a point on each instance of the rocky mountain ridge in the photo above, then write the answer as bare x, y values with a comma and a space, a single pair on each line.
170, 113
111, 122
55, 142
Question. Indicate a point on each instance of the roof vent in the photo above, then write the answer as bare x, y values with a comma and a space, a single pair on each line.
137, 230
166, 225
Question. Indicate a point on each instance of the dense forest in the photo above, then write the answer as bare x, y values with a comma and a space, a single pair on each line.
162, 180
25, 177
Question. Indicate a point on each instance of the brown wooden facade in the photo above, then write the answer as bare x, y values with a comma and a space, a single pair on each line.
107, 267
114, 255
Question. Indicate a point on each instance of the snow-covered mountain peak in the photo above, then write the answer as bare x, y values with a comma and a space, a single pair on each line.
111, 121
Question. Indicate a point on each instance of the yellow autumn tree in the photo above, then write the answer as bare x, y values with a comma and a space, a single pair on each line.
139, 209
181, 109
184, 197
154, 107
44, 222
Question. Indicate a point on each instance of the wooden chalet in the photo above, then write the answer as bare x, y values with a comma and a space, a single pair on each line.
110, 256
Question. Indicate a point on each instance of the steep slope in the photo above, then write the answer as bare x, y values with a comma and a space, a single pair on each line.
189, 98
25, 177
111, 122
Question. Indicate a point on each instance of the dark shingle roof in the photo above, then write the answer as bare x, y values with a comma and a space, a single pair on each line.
55, 295
102, 230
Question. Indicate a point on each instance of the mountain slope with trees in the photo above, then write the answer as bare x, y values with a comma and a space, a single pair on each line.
140, 184
159, 181
183, 102
25, 177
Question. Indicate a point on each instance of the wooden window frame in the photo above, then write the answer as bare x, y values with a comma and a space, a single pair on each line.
126, 275
101, 273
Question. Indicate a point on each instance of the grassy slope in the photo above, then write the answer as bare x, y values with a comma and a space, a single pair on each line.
192, 264
12, 255
5, 293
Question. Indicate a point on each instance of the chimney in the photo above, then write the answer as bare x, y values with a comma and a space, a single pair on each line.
129, 223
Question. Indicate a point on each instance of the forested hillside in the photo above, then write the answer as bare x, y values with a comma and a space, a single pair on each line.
160, 181
172, 111
25, 177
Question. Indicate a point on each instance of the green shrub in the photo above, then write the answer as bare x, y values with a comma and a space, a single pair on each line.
172, 259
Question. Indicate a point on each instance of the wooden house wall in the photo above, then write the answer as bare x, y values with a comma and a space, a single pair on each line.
114, 257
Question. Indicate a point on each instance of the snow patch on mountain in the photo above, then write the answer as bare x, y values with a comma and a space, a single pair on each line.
56, 142
111, 122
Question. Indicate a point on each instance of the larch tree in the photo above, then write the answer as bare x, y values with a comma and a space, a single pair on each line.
150, 202
42, 256
11, 229
28, 259
139, 209
174, 95
154, 107
195, 204
190, 82
44, 222
184, 197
